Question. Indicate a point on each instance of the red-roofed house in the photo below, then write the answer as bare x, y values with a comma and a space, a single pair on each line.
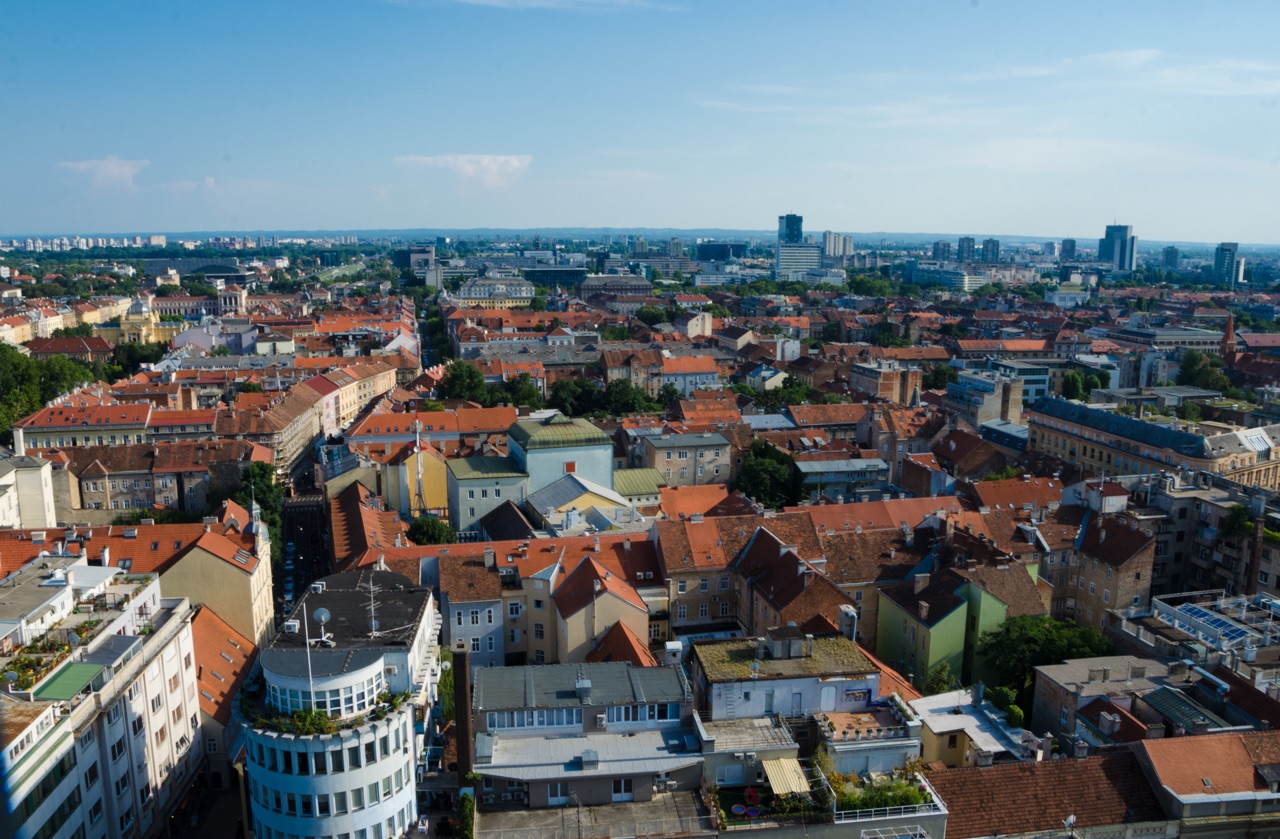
691, 372
223, 660
590, 601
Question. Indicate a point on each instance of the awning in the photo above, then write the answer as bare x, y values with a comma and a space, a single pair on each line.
68, 682
785, 776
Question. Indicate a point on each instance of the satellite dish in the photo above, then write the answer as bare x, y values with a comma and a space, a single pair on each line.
373, 625
10, 676
73, 638
444, 665
321, 616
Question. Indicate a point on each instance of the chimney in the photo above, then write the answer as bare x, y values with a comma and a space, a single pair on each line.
760, 645
924, 610
1082, 749
920, 583
490, 559
462, 706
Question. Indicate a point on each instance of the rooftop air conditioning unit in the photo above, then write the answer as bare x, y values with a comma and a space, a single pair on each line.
391, 669
602, 721
317, 587
291, 627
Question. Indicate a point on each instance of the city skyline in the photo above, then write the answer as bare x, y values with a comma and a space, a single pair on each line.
528, 114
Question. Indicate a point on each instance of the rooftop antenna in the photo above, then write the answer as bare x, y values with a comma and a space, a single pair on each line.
373, 609
321, 617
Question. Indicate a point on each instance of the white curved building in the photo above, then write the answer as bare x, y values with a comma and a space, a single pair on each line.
373, 660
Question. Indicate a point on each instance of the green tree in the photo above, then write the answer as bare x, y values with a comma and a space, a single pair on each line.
1091, 383
84, 330
621, 397
1200, 370
220, 351
250, 387
651, 315
538, 303
1015, 648
576, 397
669, 395
939, 376
1237, 522
716, 310
1072, 385
520, 390
767, 476
463, 380
1189, 411
429, 530
941, 680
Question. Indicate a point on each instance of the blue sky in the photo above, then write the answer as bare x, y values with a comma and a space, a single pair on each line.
977, 116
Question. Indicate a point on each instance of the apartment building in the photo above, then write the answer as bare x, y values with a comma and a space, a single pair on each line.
94, 483
686, 459
596, 733
103, 742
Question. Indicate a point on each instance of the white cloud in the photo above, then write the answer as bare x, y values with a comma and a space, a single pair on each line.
489, 169
111, 171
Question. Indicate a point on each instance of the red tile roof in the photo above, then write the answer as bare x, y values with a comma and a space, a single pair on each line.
589, 581
223, 660
621, 644
1099, 791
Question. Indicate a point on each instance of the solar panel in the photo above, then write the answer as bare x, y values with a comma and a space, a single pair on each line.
1226, 628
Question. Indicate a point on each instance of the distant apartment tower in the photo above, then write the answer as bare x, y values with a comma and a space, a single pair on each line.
1049, 249
1118, 246
990, 250
942, 251
675, 248
1068, 253
1170, 257
791, 229
833, 244
1228, 267
849, 246
965, 249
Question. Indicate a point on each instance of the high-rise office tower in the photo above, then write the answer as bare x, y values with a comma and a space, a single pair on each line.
1049, 249
990, 250
1068, 253
1170, 257
791, 229
942, 251
1228, 267
1118, 246
965, 249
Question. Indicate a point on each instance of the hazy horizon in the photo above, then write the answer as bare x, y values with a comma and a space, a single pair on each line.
632, 114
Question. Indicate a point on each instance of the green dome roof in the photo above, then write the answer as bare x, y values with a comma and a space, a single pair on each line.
557, 432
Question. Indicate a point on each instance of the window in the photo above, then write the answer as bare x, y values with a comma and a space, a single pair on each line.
459, 618
117, 749
538, 631
475, 617
137, 726
537, 604
952, 740
336, 760
724, 582
681, 586
681, 612
703, 610
490, 643
91, 776
353, 755
471, 493
113, 714
724, 608
704, 585
475, 644
122, 785
370, 752
126, 820
488, 616
539, 657
513, 608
